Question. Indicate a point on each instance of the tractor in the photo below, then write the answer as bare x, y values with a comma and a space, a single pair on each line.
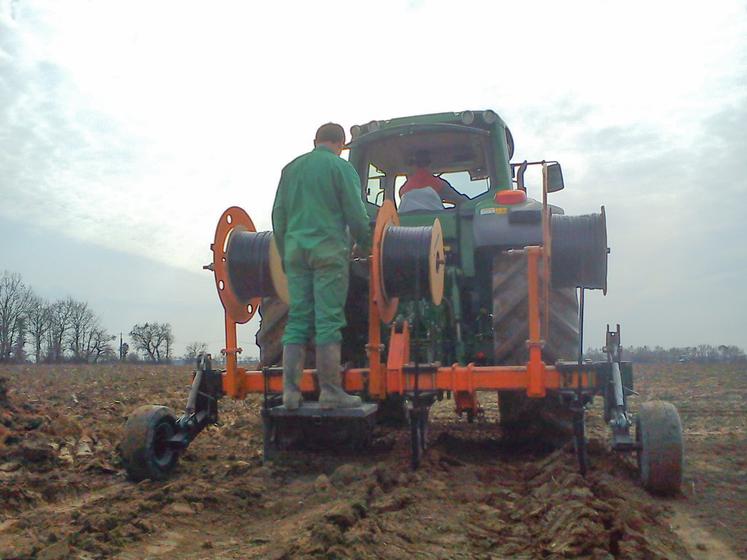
474, 288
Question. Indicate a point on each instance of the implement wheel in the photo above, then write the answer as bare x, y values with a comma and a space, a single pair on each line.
660, 453
145, 450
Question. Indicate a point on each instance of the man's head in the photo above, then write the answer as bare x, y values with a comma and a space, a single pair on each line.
331, 135
422, 159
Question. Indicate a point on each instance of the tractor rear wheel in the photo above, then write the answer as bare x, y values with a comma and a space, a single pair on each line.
274, 316
521, 417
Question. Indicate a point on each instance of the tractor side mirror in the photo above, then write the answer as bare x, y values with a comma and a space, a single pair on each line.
554, 178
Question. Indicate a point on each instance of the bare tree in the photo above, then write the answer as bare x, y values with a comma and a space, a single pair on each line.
168, 340
98, 345
60, 313
193, 350
14, 296
154, 340
19, 344
81, 324
37, 317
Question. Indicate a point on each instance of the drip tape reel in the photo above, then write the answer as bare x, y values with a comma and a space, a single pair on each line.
246, 265
408, 262
579, 251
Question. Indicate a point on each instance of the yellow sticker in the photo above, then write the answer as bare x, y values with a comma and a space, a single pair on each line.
484, 211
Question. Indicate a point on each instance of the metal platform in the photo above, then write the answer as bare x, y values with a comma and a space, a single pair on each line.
312, 410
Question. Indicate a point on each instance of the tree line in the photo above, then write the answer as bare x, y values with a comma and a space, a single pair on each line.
68, 330
701, 354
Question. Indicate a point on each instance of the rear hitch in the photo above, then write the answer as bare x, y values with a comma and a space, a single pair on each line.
616, 405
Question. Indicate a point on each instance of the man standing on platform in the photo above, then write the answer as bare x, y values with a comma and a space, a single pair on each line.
318, 200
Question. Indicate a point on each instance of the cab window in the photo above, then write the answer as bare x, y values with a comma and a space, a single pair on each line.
375, 185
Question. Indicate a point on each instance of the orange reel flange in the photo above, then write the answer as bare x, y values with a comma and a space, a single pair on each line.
232, 220
386, 217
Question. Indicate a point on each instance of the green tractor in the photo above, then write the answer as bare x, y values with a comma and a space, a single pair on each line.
484, 214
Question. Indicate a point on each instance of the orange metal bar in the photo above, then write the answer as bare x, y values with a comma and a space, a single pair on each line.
455, 378
536, 380
546, 254
398, 356
232, 379
377, 382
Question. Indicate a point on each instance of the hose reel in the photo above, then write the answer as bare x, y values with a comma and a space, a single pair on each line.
408, 262
254, 266
246, 264
579, 251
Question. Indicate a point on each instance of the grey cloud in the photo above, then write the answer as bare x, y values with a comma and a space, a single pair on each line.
53, 144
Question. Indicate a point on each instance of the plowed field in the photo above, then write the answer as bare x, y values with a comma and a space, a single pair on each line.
63, 493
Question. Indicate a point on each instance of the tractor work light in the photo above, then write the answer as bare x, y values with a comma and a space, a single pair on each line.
490, 116
373, 126
509, 197
468, 117
355, 131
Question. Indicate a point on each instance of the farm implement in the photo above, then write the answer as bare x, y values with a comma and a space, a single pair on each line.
484, 293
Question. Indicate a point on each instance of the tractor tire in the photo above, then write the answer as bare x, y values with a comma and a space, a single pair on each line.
521, 417
274, 315
660, 453
144, 451
510, 315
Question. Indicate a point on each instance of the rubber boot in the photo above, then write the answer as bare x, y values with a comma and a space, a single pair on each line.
331, 394
293, 361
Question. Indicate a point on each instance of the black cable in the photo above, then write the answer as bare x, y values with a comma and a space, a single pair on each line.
579, 251
405, 256
248, 257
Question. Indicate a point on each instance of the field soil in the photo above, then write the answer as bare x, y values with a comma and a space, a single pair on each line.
64, 494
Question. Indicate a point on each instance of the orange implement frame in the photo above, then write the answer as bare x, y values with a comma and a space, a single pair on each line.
397, 376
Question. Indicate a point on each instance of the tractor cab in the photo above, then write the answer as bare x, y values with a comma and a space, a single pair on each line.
432, 163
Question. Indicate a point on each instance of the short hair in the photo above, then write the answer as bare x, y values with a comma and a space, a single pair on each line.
422, 158
330, 132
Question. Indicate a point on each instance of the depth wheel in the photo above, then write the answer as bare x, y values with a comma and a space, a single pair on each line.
660, 447
145, 448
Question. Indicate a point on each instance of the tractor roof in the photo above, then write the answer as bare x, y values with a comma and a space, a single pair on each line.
481, 122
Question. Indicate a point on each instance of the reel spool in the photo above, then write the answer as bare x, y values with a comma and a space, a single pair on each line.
408, 262
246, 264
579, 251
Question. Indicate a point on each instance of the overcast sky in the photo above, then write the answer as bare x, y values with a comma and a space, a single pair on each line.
126, 128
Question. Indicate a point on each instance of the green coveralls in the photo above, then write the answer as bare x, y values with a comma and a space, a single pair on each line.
318, 197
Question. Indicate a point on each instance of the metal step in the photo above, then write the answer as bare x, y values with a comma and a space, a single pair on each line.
312, 410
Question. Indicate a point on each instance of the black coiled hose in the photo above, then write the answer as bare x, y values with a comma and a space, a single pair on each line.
248, 258
406, 266
579, 251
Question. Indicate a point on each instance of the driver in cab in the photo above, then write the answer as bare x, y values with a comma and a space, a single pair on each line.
424, 191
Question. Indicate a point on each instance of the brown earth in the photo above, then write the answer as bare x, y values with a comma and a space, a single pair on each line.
63, 493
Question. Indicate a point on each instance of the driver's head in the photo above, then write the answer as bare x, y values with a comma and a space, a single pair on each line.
331, 135
422, 159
